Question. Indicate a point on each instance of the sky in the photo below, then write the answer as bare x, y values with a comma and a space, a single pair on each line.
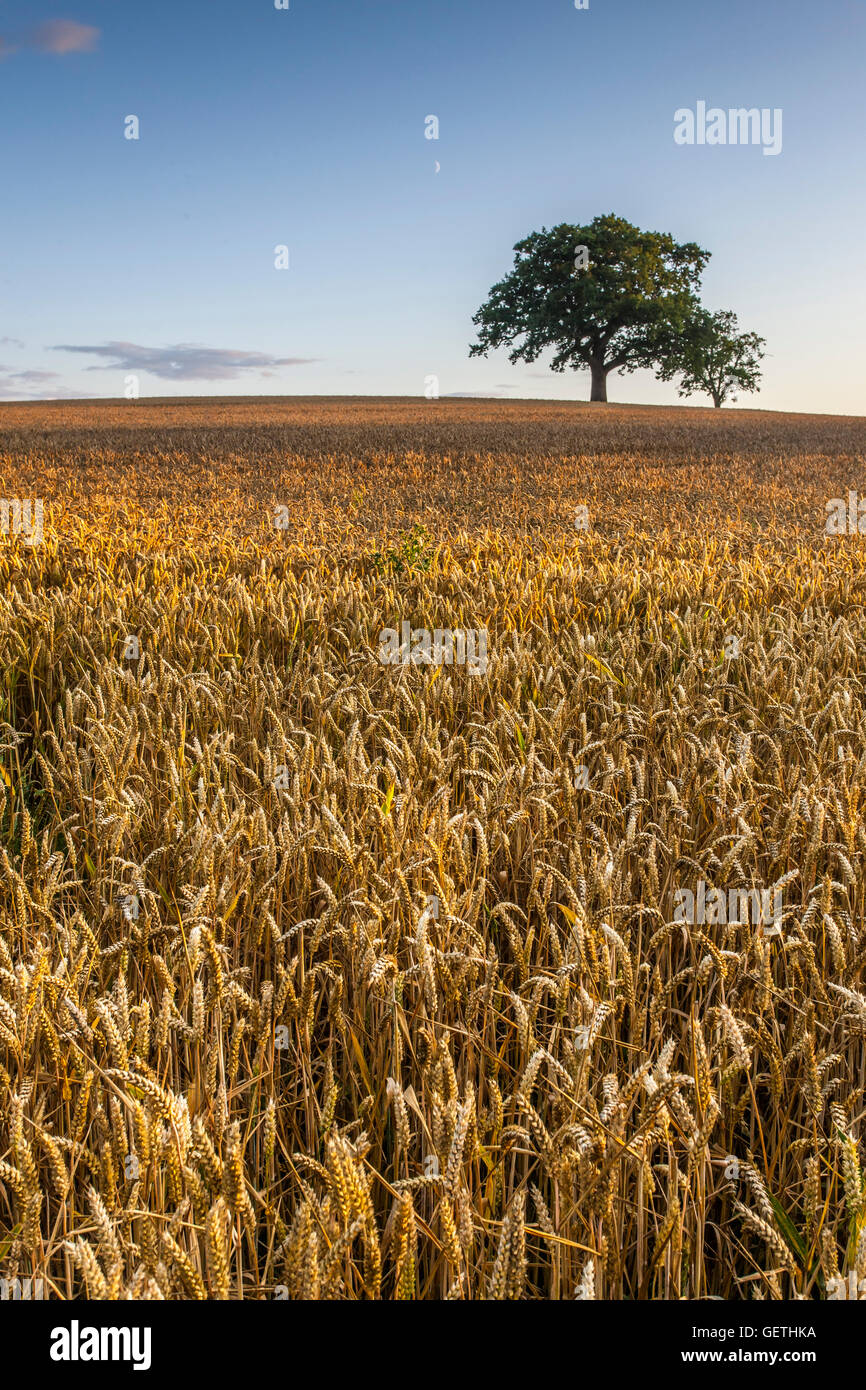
150, 264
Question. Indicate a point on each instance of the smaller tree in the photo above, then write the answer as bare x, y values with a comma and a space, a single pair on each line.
712, 356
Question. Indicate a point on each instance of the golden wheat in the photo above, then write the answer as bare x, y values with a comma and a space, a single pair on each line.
313, 970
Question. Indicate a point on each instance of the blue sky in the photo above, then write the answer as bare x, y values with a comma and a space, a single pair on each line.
306, 128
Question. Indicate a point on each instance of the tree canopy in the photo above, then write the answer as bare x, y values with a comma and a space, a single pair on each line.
712, 356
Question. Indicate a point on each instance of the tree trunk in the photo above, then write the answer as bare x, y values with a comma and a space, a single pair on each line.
717, 402
599, 381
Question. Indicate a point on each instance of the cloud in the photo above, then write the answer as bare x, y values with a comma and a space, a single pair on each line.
56, 36
13, 342
475, 395
9, 391
14, 385
63, 36
183, 361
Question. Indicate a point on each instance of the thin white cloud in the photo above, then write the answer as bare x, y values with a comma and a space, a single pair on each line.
183, 361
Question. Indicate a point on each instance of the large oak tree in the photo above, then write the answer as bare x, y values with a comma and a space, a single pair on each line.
603, 296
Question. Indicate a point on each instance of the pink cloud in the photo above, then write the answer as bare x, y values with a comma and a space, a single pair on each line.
65, 36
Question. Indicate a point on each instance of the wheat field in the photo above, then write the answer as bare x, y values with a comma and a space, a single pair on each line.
322, 978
